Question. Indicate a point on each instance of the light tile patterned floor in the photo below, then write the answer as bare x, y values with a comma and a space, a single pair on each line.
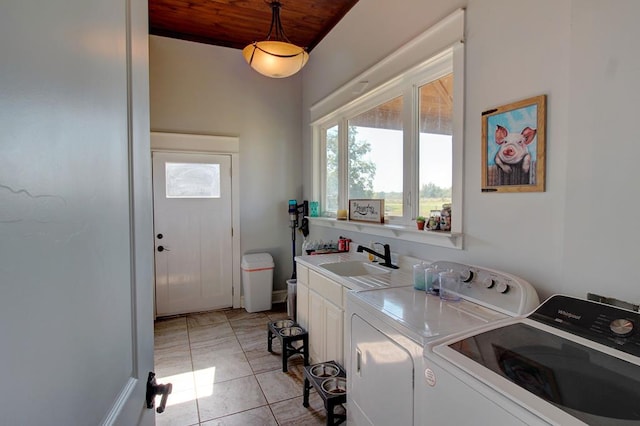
222, 373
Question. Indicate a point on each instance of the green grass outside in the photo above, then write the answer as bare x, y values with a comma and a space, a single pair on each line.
393, 207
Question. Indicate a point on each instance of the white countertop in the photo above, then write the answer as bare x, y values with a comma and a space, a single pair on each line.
395, 278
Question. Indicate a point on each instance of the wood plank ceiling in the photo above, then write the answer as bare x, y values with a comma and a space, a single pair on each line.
236, 23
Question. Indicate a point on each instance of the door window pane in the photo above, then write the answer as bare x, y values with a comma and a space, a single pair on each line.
436, 144
375, 141
192, 180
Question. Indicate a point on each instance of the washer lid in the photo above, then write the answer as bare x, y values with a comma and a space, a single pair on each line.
425, 316
594, 386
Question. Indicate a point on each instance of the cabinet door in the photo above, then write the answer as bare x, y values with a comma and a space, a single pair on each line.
302, 305
316, 327
333, 332
302, 274
378, 364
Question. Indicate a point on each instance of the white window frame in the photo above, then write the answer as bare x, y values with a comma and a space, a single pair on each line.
340, 106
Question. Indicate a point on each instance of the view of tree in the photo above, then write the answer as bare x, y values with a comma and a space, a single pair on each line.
430, 190
362, 175
361, 172
332, 169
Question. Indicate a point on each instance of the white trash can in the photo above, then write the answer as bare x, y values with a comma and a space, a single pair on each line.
257, 281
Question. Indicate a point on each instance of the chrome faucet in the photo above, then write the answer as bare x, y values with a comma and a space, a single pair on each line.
386, 256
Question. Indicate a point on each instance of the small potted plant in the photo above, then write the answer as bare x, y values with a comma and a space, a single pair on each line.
420, 220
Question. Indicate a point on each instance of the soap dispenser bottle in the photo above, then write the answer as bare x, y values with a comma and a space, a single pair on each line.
371, 257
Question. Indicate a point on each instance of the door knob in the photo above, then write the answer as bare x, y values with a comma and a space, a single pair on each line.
159, 236
161, 249
153, 389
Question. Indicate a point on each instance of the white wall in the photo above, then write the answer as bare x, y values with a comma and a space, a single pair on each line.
603, 194
578, 235
578, 53
202, 89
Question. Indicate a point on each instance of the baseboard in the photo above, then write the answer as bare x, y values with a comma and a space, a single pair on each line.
278, 296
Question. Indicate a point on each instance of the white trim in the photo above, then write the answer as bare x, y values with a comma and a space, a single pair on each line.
235, 224
277, 296
458, 138
453, 240
446, 32
120, 402
190, 142
210, 144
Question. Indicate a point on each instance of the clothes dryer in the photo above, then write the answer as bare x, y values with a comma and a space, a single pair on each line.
386, 331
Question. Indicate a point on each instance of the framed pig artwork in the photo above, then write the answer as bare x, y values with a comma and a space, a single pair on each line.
513, 147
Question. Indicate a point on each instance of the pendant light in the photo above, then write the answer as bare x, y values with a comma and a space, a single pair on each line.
277, 58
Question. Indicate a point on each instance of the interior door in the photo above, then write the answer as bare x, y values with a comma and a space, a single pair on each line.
76, 269
193, 232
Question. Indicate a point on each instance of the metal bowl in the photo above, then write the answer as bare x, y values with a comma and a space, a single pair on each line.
335, 385
324, 370
291, 331
283, 323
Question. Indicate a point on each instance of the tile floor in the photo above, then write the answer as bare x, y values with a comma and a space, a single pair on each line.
222, 373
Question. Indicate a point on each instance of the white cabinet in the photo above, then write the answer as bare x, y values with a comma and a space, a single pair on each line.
320, 309
316, 327
333, 333
302, 296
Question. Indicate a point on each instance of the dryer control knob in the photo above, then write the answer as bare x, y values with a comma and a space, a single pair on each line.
621, 327
502, 288
488, 282
467, 276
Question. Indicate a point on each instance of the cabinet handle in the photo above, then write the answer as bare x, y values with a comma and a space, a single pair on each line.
358, 360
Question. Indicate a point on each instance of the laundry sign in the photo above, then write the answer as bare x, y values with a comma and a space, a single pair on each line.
366, 210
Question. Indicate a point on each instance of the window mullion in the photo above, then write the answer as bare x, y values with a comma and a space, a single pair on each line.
343, 164
411, 156
319, 185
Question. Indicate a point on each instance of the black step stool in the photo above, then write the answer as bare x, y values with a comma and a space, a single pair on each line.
287, 331
332, 394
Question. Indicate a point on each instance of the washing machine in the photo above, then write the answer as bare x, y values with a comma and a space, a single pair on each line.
386, 331
571, 362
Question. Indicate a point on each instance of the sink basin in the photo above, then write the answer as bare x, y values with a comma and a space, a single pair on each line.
354, 268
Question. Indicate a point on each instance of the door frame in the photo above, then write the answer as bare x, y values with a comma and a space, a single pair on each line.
217, 145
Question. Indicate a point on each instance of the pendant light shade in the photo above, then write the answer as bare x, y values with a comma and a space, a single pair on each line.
277, 58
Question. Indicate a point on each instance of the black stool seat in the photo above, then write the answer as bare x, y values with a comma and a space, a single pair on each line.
288, 332
325, 385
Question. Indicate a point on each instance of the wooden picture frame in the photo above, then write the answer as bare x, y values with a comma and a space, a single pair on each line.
366, 210
513, 147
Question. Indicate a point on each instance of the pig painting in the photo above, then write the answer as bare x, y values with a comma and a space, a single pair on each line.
513, 158
513, 146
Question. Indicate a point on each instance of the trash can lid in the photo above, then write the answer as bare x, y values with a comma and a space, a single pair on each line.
257, 261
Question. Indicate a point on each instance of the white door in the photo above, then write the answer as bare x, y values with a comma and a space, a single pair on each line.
76, 267
193, 232
377, 362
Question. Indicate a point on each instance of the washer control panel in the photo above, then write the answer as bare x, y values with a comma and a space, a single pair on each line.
605, 324
494, 289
